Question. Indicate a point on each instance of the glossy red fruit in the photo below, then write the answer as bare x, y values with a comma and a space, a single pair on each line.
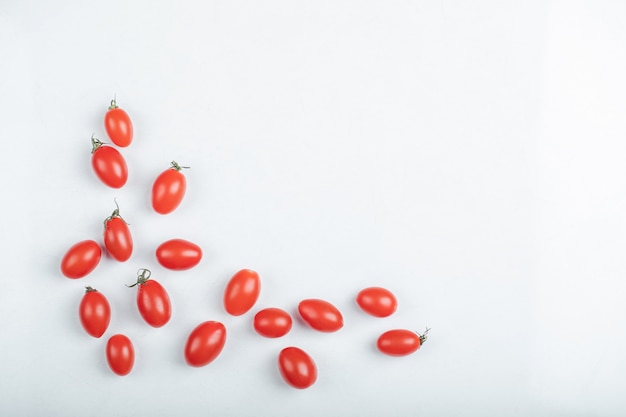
153, 301
118, 125
117, 238
242, 291
320, 315
377, 301
178, 254
81, 259
120, 354
94, 312
169, 189
400, 342
297, 367
108, 164
205, 343
272, 322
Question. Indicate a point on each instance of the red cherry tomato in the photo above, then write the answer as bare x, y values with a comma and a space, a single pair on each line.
94, 312
81, 259
117, 238
178, 254
242, 292
152, 300
168, 189
377, 301
118, 125
108, 164
120, 354
297, 367
272, 322
320, 315
205, 343
400, 342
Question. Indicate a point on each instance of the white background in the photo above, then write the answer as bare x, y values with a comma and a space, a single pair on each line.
469, 157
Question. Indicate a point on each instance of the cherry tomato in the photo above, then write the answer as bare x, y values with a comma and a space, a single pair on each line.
242, 292
117, 238
81, 259
377, 301
152, 300
272, 322
168, 189
297, 367
108, 164
120, 354
205, 343
320, 315
178, 254
118, 125
400, 342
94, 312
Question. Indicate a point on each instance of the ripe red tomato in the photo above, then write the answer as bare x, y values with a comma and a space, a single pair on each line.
241, 292
94, 312
81, 259
297, 367
120, 354
178, 254
117, 238
205, 343
320, 315
152, 300
377, 301
108, 164
168, 189
272, 322
118, 125
400, 342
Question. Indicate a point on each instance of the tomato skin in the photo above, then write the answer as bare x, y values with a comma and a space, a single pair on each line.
400, 342
297, 367
118, 126
241, 292
94, 312
117, 239
272, 322
320, 315
109, 165
120, 354
377, 301
205, 343
178, 254
168, 190
81, 259
153, 303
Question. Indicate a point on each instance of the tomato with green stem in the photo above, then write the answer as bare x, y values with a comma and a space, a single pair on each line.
94, 312
117, 238
108, 164
169, 189
120, 354
118, 125
400, 342
81, 259
153, 302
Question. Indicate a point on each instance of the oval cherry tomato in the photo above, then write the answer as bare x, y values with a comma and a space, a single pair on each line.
94, 312
108, 164
152, 300
320, 315
377, 301
297, 367
400, 342
242, 292
272, 322
168, 189
117, 238
81, 259
205, 343
118, 125
178, 254
120, 354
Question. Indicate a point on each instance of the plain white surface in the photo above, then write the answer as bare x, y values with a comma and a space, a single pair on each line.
467, 157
